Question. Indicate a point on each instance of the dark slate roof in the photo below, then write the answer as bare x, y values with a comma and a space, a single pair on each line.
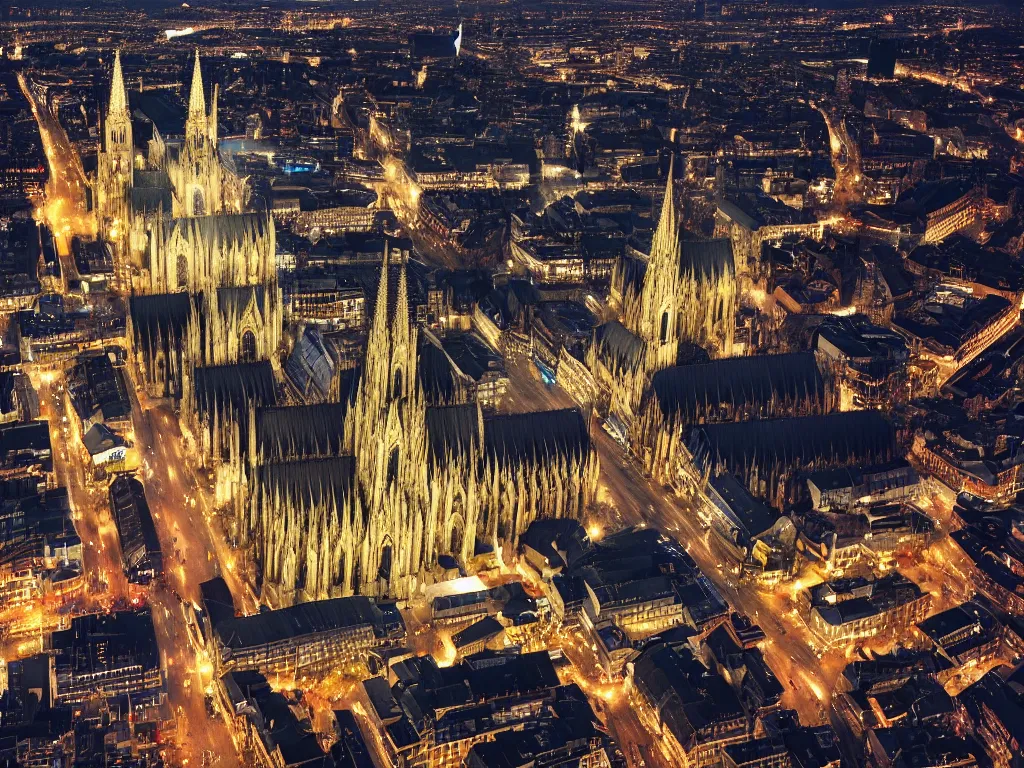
25, 436
618, 347
751, 514
163, 313
548, 537
484, 629
298, 621
151, 190
687, 698
110, 641
310, 365
738, 382
436, 374
517, 675
709, 259
311, 481
239, 385
518, 437
452, 429
301, 430
216, 600
135, 527
834, 437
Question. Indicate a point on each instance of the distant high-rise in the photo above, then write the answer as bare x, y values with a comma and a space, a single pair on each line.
882, 59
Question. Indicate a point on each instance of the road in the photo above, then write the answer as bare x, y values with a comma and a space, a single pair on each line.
183, 524
194, 545
193, 553
846, 162
186, 669
808, 672
65, 210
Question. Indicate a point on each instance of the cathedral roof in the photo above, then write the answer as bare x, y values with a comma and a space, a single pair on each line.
452, 428
708, 259
518, 437
312, 481
151, 179
435, 373
237, 298
301, 430
618, 347
224, 228
165, 314
239, 385
738, 381
150, 199
150, 190
845, 437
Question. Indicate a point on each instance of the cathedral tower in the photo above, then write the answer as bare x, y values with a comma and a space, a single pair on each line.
200, 168
114, 169
387, 424
657, 314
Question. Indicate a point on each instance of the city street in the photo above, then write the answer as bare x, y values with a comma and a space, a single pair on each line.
64, 210
186, 672
194, 548
90, 506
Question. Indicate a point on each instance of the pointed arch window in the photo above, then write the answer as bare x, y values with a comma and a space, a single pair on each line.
182, 270
384, 572
248, 351
393, 464
663, 335
198, 202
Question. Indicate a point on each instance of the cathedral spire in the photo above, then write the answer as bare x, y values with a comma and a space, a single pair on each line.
378, 343
213, 115
400, 324
118, 96
196, 100
665, 243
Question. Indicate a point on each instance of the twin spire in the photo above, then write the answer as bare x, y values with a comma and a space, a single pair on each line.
119, 96
387, 335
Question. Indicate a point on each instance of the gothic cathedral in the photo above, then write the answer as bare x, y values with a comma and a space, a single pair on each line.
374, 492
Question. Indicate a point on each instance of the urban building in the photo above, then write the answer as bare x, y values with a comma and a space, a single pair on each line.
858, 608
